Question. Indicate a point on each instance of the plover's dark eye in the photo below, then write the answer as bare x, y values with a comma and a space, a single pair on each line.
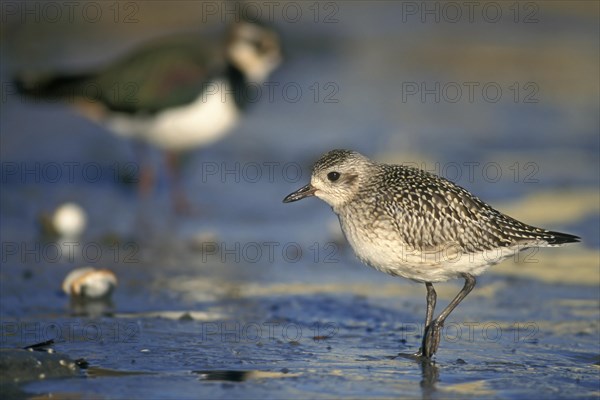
333, 176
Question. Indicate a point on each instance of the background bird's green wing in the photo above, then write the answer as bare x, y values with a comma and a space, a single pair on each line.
166, 74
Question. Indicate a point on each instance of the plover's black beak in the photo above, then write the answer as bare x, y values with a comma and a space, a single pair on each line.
304, 191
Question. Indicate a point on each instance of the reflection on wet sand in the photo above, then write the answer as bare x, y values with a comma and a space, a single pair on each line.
240, 376
430, 375
92, 308
178, 310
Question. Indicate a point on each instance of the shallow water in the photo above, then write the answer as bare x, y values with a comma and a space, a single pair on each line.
253, 298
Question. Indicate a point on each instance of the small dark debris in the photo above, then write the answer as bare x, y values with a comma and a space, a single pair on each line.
186, 317
460, 361
222, 375
42, 346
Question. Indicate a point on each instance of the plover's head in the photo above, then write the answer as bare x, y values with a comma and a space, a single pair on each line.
254, 49
336, 178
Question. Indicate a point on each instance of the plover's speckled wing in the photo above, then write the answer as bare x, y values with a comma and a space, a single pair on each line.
429, 211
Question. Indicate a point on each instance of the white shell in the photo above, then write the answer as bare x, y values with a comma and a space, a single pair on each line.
89, 282
69, 220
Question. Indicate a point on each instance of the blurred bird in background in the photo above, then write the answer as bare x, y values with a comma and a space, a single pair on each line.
177, 93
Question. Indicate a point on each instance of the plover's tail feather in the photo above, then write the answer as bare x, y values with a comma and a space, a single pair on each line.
558, 238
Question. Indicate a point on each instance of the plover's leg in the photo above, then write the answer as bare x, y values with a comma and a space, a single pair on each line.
431, 300
431, 341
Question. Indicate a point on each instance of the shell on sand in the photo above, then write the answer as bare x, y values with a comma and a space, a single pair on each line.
90, 283
69, 220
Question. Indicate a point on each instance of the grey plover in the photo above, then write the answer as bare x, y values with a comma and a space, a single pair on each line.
176, 93
410, 223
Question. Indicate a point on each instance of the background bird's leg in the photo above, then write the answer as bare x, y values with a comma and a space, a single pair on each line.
431, 300
147, 176
178, 197
431, 341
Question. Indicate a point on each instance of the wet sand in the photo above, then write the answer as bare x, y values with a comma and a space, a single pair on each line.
190, 319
